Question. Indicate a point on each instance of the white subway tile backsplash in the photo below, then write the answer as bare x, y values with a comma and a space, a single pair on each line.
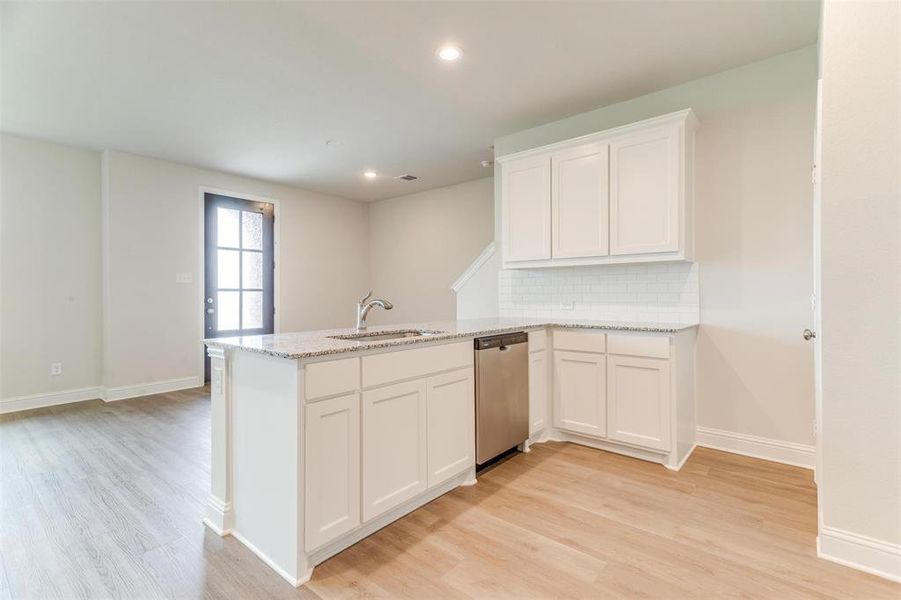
646, 292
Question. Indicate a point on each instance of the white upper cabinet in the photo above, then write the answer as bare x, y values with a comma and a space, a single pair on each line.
527, 209
644, 192
617, 196
579, 201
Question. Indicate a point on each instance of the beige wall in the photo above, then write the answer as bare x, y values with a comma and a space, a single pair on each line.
753, 240
50, 274
860, 489
421, 243
152, 211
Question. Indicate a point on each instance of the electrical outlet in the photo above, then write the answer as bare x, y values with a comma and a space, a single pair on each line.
56, 368
568, 305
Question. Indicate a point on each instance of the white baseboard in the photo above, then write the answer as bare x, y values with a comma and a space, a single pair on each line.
125, 392
15, 404
219, 516
684, 460
295, 581
19, 403
790, 453
860, 552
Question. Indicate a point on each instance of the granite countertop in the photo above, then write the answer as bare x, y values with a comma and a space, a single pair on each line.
309, 344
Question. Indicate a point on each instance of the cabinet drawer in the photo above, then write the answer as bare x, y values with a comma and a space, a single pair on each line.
537, 340
638, 345
380, 369
579, 341
331, 377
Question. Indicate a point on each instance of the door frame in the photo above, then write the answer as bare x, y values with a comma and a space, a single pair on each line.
201, 263
817, 300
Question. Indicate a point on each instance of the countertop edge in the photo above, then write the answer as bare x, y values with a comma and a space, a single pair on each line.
213, 343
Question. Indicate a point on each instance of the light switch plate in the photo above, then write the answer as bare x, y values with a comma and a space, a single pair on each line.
184, 278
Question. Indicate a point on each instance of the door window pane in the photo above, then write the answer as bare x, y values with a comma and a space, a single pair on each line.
228, 311
227, 271
252, 310
252, 229
252, 272
227, 227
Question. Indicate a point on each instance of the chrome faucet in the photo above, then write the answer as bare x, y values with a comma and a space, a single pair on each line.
365, 305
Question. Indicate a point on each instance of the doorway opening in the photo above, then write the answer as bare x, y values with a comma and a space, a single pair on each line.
239, 267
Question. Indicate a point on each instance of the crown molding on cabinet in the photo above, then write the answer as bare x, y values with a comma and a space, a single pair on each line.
687, 114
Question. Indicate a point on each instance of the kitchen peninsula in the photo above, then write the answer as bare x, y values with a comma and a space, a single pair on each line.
319, 440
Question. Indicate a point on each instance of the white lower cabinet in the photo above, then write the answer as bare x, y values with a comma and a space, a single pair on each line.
580, 392
394, 456
451, 424
538, 391
332, 472
638, 401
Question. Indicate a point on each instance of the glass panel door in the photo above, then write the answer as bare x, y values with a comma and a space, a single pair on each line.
238, 238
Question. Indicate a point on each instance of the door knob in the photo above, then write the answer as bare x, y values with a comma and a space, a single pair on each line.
808, 334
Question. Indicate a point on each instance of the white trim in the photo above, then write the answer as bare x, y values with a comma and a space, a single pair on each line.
215, 528
472, 269
219, 516
284, 574
112, 394
685, 458
107, 394
860, 552
18, 403
105, 257
685, 114
789, 453
321, 554
201, 268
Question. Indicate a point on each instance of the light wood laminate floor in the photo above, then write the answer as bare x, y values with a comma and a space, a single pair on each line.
105, 500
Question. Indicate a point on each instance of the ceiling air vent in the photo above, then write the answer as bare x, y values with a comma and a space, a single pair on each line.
407, 177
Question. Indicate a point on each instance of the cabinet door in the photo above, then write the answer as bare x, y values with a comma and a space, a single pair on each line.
394, 446
638, 401
332, 472
451, 430
538, 391
526, 193
580, 392
580, 201
645, 192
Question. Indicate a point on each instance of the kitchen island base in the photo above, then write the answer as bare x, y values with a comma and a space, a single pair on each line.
318, 442
311, 456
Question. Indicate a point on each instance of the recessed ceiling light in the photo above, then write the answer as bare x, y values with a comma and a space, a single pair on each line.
449, 53
370, 174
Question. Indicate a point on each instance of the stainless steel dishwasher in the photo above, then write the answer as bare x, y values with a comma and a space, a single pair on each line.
502, 394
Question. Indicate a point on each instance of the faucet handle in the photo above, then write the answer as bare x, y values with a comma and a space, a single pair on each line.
366, 297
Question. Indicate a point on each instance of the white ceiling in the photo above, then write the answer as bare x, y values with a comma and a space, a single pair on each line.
258, 88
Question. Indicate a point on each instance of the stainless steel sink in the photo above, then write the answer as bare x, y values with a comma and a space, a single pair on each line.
377, 336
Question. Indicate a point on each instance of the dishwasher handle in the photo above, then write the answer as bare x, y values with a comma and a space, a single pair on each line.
501, 342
